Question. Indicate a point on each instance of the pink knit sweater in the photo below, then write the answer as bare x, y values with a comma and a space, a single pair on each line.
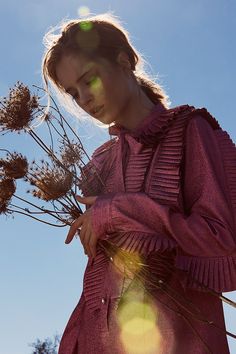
168, 189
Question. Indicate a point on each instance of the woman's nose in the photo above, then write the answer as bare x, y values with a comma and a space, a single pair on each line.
85, 97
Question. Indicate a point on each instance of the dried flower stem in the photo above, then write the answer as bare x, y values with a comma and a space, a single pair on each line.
5, 150
35, 218
50, 132
42, 209
49, 152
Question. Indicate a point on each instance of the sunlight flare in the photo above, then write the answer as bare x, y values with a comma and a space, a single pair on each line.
139, 332
83, 11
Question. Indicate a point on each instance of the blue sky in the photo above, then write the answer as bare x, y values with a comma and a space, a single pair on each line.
191, 46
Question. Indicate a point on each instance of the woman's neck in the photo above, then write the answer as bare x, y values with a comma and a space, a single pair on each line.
138, 108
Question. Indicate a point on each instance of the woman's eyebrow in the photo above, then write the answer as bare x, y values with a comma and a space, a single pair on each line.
77, 81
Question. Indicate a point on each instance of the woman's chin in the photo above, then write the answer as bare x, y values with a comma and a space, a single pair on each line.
101, 116
105, 119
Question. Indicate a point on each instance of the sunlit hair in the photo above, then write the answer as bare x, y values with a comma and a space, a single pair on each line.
100, 36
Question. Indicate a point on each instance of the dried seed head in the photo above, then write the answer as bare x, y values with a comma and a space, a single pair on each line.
7, 189
15, 166
71, 154
51, 183
18, 110
3, 208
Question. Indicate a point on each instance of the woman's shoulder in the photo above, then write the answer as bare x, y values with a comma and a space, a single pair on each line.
105, 148
201, 115
194, 113
94, 173
104, 155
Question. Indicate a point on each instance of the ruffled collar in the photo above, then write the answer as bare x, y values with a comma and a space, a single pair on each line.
150, 130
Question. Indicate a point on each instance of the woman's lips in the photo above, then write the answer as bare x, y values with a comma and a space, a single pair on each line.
98, 111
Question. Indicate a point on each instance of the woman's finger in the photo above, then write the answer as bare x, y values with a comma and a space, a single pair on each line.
83, 239
87, 238
92, 240
79, 235
73, 229
93, 245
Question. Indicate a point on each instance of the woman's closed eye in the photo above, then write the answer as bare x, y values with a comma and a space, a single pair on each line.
91, 80
91, 83
75, 96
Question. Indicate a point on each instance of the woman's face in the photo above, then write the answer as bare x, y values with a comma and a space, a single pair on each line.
101, 89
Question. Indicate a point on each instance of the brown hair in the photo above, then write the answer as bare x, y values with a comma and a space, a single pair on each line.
96, 36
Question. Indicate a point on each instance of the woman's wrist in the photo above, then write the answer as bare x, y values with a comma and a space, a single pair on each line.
101, 215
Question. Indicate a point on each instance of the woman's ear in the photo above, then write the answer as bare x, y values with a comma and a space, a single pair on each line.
123, 60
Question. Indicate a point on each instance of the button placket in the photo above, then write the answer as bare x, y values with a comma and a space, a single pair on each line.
104, 314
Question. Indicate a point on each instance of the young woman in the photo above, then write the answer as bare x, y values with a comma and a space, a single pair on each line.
167, 197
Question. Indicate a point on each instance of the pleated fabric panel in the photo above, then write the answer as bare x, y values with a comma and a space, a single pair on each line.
136, 170
142, 243
228, 150
165, 182
94, 181
216, 273
94, 280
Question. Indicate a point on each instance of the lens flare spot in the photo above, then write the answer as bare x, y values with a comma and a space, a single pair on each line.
136, 309
83, 11
139, 332
86, 26
95, 84
137, 326
88, 38
128, 263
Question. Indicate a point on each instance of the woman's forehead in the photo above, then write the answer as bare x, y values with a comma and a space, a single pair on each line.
76, 61
78, 64
71, 65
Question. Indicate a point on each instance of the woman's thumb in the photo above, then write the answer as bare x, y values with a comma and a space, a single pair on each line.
86, 200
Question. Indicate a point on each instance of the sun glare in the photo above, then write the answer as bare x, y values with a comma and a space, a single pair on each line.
139, 332
83, 11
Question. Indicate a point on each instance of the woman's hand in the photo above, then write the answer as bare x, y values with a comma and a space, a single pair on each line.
84, 223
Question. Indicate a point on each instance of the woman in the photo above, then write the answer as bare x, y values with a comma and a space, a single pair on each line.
165, 194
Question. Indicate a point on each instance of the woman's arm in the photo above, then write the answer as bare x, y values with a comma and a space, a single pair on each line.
206, 230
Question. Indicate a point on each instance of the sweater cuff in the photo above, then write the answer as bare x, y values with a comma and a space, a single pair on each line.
101, 216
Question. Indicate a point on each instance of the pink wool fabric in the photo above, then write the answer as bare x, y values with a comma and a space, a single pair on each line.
168, 189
